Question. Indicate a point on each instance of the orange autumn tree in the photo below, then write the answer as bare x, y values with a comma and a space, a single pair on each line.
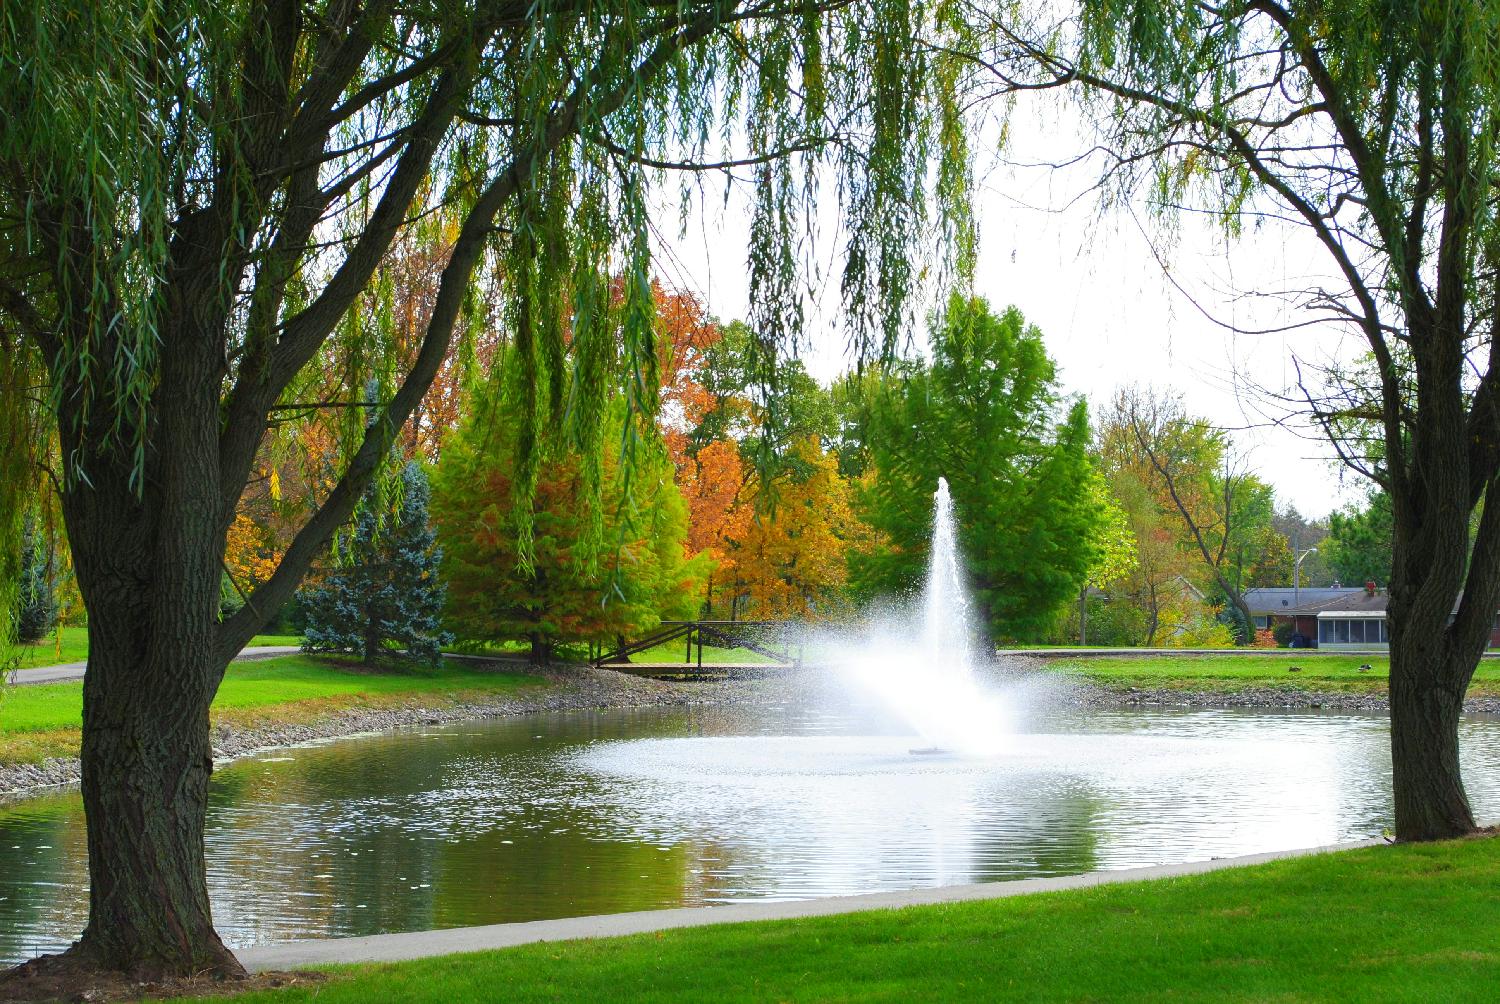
685, 334
710, 472
716, 485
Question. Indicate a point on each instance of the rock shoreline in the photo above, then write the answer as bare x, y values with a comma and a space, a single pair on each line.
1265, 698
582, 688
571, 688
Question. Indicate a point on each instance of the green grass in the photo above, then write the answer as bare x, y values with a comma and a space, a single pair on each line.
37, 721
676, 651
1329, 672
71, 644
1406, 923
670, 652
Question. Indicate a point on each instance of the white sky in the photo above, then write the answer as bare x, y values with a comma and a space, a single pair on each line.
1108, 312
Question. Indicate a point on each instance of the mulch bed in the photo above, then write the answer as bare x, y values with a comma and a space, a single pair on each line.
51, 978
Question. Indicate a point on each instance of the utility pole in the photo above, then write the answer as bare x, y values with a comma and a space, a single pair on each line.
1297, 577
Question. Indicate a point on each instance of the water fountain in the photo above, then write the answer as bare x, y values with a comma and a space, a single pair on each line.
947, 632
919, 659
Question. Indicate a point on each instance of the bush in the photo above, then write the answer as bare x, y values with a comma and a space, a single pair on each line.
1201, 632
1282, 633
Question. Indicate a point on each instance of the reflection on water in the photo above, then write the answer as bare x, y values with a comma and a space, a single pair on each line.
564, 815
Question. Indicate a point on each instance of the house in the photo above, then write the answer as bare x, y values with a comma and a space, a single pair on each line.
1273, 603
1342, 619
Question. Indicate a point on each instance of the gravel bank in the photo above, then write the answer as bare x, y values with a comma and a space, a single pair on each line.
573, 688
1030, 675
578, 688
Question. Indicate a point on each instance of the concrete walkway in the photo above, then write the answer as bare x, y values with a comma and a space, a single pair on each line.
70, 671
422, 944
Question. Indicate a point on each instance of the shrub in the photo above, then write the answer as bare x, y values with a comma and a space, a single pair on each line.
1283, 632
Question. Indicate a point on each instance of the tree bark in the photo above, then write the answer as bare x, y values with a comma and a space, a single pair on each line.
147, 551
146, 764
146, 754
1426, 703
1083, 616
541, 649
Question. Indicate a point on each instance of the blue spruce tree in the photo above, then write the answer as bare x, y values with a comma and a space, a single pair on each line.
386, 599
36, 600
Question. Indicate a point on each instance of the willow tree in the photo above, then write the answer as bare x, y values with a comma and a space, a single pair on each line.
1372, 124
194, 197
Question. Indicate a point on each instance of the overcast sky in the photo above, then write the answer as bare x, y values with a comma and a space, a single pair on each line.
1108, 311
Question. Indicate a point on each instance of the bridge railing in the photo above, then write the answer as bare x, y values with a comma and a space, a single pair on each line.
775, 640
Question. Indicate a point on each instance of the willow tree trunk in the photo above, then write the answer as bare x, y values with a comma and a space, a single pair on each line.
146, 765
1427, 687
147, 548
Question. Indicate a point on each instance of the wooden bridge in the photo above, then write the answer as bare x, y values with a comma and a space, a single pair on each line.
776, 641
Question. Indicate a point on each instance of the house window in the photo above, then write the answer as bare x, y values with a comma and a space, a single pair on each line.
1353, 631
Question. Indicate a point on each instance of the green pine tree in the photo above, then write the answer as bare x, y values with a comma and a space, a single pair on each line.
984, 415
36, 597
598, 569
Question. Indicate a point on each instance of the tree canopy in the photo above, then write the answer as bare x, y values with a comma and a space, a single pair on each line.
1358, 545
196, 202
985, 414
597, 569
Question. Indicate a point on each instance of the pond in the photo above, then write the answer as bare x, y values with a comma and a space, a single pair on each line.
582, 813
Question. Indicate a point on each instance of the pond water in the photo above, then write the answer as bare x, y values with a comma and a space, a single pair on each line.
572, 814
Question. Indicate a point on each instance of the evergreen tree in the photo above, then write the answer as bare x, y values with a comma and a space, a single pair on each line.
982, 415
36, 598
600, 566
388, 599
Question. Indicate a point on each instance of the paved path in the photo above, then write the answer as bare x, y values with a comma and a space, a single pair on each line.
74, 670
422, 944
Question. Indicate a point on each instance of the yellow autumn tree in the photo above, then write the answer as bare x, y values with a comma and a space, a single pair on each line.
790, 560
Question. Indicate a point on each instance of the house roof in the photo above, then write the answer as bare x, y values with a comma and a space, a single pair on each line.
1354, 602
1283, 599
1357, 602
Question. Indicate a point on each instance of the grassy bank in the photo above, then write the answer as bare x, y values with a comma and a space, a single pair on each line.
1408, 923
71, 644
1325, 672
44, 720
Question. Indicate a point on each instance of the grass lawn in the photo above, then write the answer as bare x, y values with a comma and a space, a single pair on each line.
72, 645
1406, 923
1330, 671
670, 652
38, 721
676, 650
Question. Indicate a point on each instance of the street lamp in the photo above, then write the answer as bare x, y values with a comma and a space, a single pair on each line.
1297, 577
